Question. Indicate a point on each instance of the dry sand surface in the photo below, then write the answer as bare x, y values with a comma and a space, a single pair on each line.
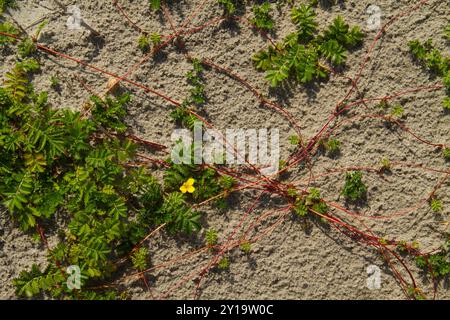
290, 262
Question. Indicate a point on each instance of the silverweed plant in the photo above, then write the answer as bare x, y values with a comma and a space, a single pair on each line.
298, 55
354, 188
88, 167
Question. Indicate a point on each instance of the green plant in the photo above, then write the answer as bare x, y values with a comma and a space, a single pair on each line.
446, 153
385, 164
295, 140
5, 4
224, 263
433, 60
211, 237
139, 258
56, 160
143, 43
262, 18
228, 5
33, 282
26, 47
195, 79
110, 112
54, 82
303, 16
196, 98
246, 247
299, 53
333, 51
208, 183
436, 264
446, 103
354, 188
6, 27
39, 29
397, 111
178, 215
436, 205
312, 202
16, 82
155, 5
155, 38
332, 146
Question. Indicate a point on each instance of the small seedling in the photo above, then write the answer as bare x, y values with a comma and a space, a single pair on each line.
385, 164
40, 27
402, 247
143, 43
416, 293
312, 202
227, 182
155, 5
436, 205
397, 111
383, 105
155, 38
446, 153
228, 5
262, 18
282, 164
354, 188
54, 82
446, 103
246, 247
292, 192
224, 263
197, 93
211, 237
295, 140
140, 259
181, 115
332, 146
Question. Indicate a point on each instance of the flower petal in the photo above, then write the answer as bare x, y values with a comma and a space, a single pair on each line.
190, 181
191, 189
183, 189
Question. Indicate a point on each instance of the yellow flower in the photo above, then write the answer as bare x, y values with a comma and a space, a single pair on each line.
188, 186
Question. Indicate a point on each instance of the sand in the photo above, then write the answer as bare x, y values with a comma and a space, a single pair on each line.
289, 263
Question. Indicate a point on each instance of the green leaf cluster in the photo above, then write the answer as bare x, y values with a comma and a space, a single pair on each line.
6, 27
437, 264
311, 202
195, 79
208, 183
57, 160
354, 188
298, 55
262, 18
434, 61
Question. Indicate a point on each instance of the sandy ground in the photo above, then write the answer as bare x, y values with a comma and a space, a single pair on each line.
290, 263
